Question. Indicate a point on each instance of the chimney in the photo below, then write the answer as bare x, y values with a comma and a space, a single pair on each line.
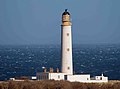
51, 70
57, 70
45, 70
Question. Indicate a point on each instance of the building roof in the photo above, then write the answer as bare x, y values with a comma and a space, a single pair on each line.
66, 12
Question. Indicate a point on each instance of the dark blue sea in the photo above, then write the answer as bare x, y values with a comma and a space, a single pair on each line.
26, 60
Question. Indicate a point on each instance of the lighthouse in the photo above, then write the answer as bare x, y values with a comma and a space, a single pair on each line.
66, 43
66, 58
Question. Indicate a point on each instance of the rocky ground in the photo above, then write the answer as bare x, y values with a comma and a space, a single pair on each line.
51, 84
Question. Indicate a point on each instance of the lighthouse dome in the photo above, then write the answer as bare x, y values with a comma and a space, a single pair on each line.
66, 12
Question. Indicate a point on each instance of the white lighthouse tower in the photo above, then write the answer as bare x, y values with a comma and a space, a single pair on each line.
66, 43
66, 57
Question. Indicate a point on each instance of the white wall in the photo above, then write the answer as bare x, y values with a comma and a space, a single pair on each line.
102, 78
86, 79
78, 78
33, 77
56, 76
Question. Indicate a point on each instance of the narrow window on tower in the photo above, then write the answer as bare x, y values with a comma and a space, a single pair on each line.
68, 68
68, 49
67, 34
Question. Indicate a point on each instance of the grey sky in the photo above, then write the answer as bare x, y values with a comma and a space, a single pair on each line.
38, 21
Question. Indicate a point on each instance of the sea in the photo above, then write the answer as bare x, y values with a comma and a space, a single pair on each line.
27, 60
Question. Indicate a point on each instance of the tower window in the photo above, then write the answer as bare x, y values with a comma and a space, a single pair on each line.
68, 49
68, 68
67, 34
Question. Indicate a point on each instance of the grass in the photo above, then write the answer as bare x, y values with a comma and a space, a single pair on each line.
51, 84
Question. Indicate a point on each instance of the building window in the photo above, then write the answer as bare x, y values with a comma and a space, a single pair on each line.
65, 77
68, 49
58, 76
67, 34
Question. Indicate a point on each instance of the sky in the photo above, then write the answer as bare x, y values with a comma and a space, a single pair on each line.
39, 21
